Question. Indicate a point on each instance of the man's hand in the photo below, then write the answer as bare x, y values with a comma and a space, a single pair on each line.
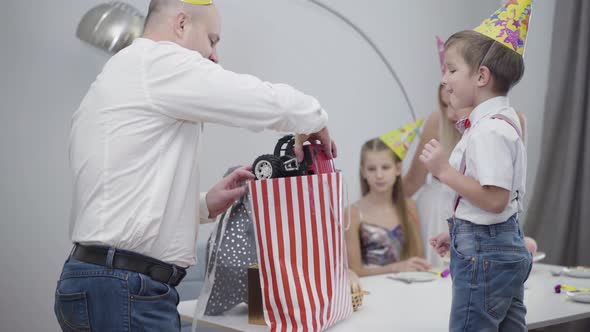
441, 243
228, 190
434, 158
323, 136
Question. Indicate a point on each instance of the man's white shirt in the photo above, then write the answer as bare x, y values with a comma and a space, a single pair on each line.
135, 141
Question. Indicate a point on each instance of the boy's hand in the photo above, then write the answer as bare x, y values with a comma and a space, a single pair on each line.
441, 243
434, 158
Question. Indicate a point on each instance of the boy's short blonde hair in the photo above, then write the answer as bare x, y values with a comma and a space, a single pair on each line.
506, 66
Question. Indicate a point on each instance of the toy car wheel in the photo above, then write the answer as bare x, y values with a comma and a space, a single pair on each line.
267, 166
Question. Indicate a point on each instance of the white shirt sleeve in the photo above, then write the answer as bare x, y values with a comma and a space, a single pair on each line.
182, 84
490, 154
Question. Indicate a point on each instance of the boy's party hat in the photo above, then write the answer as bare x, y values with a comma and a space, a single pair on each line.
509, 24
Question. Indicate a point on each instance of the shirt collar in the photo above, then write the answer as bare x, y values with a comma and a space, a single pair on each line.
487, 108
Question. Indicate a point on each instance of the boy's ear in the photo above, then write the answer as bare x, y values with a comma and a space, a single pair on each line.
484, 76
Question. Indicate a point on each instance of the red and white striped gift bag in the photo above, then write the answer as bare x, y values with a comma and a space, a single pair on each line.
301, 251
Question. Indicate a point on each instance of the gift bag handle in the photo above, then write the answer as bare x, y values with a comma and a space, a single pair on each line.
348, 217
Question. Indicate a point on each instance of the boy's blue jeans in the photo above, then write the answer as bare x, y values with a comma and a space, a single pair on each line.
489, 265
95, 298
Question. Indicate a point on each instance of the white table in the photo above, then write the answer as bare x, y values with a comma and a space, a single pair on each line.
396, 306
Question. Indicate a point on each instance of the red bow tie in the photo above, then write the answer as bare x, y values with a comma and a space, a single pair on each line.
463, 125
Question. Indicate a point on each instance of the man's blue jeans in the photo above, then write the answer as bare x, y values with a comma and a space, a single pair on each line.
91, 297
489, 265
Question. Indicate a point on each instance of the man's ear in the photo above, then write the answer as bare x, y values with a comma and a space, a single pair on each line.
180, 23
484, 76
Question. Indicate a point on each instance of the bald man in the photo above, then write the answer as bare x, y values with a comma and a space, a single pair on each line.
134, 154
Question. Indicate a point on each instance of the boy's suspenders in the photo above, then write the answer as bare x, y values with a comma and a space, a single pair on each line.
463, 166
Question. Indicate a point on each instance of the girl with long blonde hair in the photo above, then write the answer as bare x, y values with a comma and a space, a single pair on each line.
384, 235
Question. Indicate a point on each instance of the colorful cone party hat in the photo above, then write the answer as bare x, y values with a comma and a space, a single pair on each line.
509, 24
399, 140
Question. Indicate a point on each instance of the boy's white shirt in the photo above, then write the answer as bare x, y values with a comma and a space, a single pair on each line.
495, 156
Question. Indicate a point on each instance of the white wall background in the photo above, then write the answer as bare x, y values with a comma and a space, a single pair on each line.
45, 71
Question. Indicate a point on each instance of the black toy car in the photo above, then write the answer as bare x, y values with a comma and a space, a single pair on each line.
283, 162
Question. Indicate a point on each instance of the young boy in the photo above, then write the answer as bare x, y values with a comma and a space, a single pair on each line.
489, 260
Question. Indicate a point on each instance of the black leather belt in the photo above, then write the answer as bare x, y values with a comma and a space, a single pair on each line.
127, 260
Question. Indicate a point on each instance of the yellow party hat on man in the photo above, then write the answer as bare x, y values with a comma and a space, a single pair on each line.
509, 24
198, 2
399, 140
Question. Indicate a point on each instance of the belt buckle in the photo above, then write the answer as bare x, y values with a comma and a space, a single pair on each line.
172, 278
176, 276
